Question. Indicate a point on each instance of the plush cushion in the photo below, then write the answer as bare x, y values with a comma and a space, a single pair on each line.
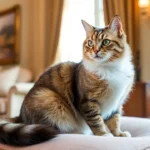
8, 78
139, 128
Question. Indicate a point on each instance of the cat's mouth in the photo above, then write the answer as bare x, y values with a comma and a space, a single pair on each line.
99, 57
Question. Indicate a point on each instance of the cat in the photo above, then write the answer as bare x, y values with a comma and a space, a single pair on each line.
78, 97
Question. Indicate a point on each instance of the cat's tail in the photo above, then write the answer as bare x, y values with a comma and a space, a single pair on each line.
18, 134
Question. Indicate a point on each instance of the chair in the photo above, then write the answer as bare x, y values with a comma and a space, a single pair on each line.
9, 76
16, 96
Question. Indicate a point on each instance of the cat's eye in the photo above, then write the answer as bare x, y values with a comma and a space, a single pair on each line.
90, 43
106, 42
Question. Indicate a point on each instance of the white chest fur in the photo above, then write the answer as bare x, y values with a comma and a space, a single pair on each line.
120, 78
120, 83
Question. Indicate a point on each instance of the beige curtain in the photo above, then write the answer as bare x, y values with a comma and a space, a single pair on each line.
54, 11
128, 10
42, 34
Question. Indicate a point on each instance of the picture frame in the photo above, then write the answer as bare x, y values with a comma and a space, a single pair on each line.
10, 35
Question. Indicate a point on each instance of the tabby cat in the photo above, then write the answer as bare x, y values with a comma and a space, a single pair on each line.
78, 97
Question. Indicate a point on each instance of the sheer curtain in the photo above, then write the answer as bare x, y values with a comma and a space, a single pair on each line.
72, 33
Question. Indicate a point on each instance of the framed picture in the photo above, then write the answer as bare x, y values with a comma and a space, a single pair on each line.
9, 35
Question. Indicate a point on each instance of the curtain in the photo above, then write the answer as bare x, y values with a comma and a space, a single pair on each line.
42, 34
128, 10
54, 11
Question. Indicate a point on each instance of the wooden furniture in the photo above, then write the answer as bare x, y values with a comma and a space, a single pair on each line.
138, 104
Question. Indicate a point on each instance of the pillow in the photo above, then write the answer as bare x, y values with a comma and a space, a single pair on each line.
8, 78
25, 75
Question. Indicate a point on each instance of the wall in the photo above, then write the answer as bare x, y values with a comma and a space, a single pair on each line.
145, 47
32, 30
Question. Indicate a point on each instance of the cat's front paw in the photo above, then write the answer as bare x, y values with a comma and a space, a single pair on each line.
108, 135
123, 134
105, 134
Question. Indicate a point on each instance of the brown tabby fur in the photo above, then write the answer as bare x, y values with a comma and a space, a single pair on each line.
67, 96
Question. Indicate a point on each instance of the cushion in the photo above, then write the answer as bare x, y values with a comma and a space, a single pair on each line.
87, 142
25, 75
8, 78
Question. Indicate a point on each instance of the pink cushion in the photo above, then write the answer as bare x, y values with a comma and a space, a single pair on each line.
84, 142
138, 127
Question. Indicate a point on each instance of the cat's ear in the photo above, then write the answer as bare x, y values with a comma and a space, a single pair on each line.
116, 26
88, 28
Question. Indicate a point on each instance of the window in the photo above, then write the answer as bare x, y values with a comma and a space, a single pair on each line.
72, 32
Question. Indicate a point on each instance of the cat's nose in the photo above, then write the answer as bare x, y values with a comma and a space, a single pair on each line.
97, 51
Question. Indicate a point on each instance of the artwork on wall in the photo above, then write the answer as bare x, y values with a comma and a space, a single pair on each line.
9, 35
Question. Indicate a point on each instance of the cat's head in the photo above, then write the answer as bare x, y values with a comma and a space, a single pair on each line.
106, 44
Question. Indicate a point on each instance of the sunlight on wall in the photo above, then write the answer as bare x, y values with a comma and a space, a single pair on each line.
72, 31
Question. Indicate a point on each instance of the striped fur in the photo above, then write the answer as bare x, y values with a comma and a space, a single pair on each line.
19, 134
78, 97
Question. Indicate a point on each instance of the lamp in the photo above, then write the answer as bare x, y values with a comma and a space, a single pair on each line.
144, 5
